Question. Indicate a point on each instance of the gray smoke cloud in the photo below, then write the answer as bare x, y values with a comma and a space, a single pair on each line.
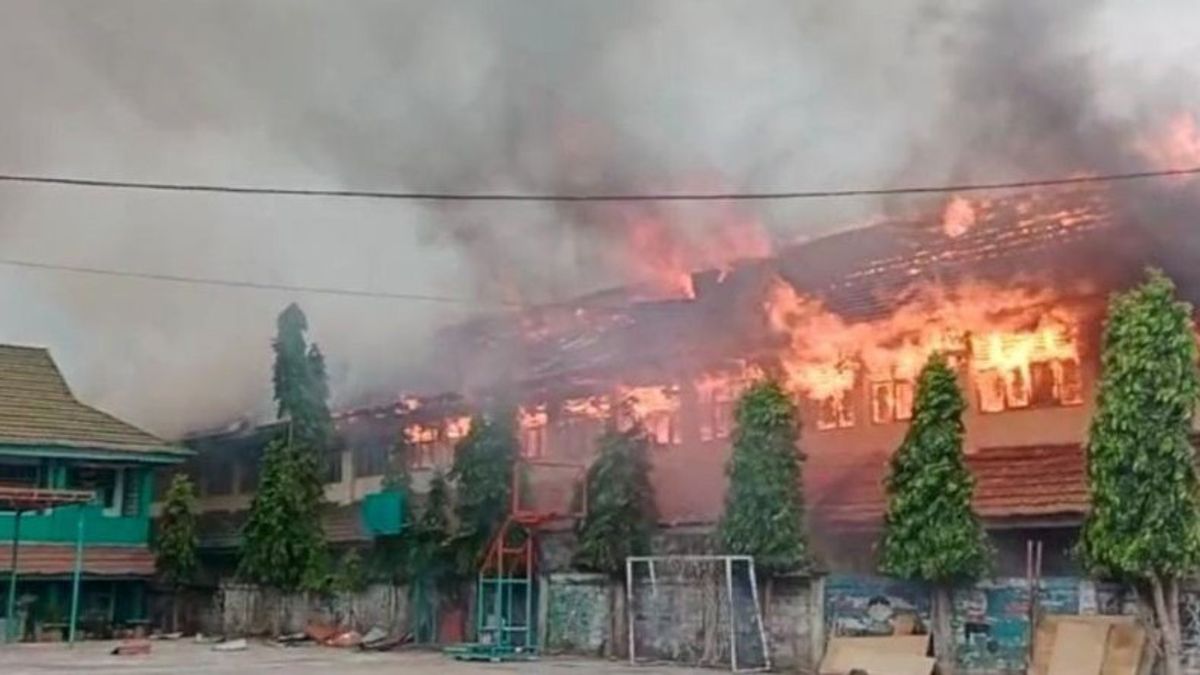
529, 95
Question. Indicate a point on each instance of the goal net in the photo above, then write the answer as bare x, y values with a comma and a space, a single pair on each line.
700, 610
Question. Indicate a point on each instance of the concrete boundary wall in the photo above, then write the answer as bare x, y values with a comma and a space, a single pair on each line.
250, 610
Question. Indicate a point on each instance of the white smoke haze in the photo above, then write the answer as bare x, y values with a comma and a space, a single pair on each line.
526, 95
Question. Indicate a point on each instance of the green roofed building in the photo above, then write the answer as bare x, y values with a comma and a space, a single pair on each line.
50, 442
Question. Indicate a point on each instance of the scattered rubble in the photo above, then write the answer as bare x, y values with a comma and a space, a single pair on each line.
131, 648
237, 645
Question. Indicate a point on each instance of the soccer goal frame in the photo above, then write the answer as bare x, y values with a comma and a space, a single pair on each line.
727, 564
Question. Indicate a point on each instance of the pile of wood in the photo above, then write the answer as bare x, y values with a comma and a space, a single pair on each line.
1087, 645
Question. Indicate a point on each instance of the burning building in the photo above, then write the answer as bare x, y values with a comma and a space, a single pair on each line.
1012, 288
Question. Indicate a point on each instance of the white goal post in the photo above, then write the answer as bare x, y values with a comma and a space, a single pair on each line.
698, 609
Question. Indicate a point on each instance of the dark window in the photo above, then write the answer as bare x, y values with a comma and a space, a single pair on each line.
104, 481
371, 457
250, 463
131, 496
216, 475
20, 474
333, 466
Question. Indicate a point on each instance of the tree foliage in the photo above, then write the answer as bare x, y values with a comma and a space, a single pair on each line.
430, 534
283, 543
930, 531
1144, 524
1145, 517
483, 476
764, 505
620, 500
177, 541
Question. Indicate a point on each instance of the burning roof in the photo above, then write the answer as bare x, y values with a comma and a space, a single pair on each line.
1038, 249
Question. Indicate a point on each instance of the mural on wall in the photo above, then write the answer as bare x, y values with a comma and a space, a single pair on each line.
991, 617
868, 605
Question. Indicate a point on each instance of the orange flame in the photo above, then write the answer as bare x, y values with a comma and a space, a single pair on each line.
1175, 147
532, 417
458, 427
995, 329
593, 407
958, 217
663, 247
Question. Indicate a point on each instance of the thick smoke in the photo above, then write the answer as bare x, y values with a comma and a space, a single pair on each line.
531, 95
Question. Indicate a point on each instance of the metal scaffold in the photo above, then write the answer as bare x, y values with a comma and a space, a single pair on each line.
505, 622
21, 500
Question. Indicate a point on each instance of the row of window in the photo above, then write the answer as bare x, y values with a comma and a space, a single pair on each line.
116, 489
1044, 383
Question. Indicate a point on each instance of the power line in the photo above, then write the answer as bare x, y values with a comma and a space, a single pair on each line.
262, 286
616, 197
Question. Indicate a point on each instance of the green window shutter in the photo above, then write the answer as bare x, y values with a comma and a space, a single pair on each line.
383, 513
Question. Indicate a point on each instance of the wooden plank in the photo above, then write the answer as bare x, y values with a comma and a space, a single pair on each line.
841, 651
880, 663
1047, 629
1123, 653
1079, 648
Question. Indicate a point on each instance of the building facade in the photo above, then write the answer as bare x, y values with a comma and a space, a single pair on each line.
1017, 299
51, 440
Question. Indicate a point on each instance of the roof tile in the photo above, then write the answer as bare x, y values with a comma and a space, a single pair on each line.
37, 407
1010, 482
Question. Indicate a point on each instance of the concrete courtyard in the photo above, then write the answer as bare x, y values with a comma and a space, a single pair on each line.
93, 658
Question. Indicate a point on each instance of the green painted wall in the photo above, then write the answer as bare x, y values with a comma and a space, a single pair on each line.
59, 525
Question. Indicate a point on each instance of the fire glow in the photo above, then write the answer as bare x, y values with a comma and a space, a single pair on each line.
1016, 340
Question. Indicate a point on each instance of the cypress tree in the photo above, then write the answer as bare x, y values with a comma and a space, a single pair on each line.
1144, 524
283, 543
483, 475
764, 505
620, 499
177, 543
930, 532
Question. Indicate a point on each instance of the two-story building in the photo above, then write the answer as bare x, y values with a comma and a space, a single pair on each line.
1017, 298
51, 440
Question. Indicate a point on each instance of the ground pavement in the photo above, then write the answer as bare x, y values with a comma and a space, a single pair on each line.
93, 658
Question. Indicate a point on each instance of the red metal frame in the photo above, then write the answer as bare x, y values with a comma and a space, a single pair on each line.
505, 559
36, 499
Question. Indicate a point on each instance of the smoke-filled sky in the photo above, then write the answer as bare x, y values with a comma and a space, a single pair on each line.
522, 95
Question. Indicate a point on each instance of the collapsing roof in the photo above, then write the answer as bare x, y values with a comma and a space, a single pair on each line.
37, 409
858, 274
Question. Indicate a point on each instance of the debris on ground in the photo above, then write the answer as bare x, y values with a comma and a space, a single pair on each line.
202, 639
167, 636
237, 645
378, 640
350, 638
131, 648
293, 639
374, 635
